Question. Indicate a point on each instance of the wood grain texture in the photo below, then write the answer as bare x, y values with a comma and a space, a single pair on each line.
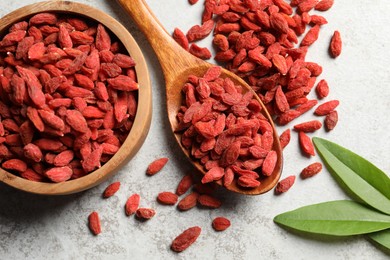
142, 120
177, 65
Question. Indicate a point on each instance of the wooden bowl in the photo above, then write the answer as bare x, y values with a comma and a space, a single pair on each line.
142, 119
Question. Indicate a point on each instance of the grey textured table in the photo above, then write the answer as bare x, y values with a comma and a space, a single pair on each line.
35, 227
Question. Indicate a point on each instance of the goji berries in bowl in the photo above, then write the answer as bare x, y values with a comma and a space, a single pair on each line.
75, 97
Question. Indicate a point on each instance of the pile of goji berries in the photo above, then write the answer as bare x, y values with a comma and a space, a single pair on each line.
68, 97
224, 129
259, 41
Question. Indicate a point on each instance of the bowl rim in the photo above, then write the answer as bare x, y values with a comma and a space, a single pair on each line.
142, 120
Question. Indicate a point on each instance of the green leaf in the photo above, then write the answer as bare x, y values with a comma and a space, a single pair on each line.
357, 176
382, 239
337, 218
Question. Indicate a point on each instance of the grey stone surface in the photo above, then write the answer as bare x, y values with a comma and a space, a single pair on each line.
37, 227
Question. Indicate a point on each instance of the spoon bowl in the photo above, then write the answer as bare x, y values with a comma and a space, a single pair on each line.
177, 64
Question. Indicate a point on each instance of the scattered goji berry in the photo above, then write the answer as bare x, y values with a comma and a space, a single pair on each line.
94, 223
311, 170
220, 223
335, 46
326, 107
111, 189
167, 198
132, 204
309, 126
185, 239
145, 213
285, 184
306, 144
331, 120
156, 166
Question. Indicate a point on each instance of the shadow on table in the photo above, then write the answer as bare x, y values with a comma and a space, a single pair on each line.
19, 206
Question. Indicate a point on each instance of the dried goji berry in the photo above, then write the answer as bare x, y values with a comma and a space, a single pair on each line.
331, 120
335, 46
167, 198
306, 144
285, 184
132, 204
220, 223
94, 223
156, 166
111, 189
311, 170
185, 239
326, 107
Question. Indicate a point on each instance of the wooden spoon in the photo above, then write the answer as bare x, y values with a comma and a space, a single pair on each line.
177, 64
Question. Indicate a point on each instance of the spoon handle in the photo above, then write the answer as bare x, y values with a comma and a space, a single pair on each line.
165, 47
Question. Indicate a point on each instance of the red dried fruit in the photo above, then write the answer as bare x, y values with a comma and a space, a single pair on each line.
156, 166
188, 202
326, 107
94, 223
184, 185
31, 175
36, 51
34, 87
14, 165
322, 89
51, 120
228, 177
199, 32
132, 204
59, 174
43, 18
213, 174
200, 52
209, 201
248, 182
64, 158
269, 163
324, 5
278, 22
145, 213
31, 151
103, 39
309, 126
220, 223
123, 82
285, 184
12, 38
306, 144
185, 239
93, 160
111, 189
180, 38
77, 121
311, 36
167, 198
331, 120
281, 100
306, 5
335, 46
284, 138
311, 170
123, 61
